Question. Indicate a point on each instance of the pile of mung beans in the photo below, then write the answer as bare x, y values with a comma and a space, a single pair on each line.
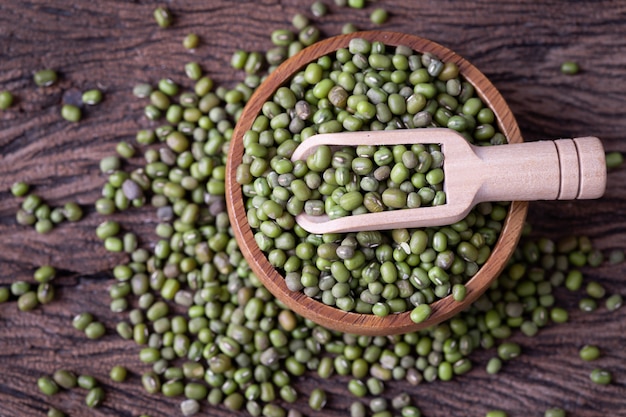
367, 86
366, 179
207, 331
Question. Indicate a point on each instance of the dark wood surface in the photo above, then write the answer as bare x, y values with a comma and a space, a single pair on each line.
115, 44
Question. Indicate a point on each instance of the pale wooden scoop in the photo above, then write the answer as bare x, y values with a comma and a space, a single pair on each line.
562, 169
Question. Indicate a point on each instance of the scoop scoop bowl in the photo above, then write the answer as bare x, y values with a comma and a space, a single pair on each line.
329, 316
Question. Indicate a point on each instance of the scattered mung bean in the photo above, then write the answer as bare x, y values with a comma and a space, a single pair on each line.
94, 397
92, 97
54, 412
379, 16
191, 41
614, 160
64, 378
6, 99
554, 412
47, 385
45, 77
71, 113
600, 376
570, 68
118, 373
163, 17
614, 302
589, 353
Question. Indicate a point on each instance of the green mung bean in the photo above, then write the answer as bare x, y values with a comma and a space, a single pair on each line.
587, 304
44, 226
92, 97
193, 70
45, 273
600, 376
5, 294
71, 113
614, 302
379, 16
27, 301
45, 77
317, 399
614, 160
191, 41
6, 99
189, 407
494, 365
589, 353
54, 412
19, 189
95, 330
163, 17
554, 412
595, 290
319, 9
496, 413
65, 379
118, 373
142, 90
47, 385
87, 382
94, 397
82, 320
508, 350
72, 212
420, 313
570, 68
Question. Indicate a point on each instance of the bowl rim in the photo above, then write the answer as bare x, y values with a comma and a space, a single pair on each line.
329, 316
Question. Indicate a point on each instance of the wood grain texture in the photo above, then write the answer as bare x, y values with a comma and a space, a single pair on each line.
115, 44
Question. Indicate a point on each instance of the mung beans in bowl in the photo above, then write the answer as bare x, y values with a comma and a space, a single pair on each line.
371, 282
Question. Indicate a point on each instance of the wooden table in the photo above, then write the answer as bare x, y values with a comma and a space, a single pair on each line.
115, 44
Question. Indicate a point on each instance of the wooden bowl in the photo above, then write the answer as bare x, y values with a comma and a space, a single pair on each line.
329, 316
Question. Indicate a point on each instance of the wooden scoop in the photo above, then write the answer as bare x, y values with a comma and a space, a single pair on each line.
563, 169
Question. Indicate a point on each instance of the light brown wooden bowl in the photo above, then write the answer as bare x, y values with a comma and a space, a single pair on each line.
328, 316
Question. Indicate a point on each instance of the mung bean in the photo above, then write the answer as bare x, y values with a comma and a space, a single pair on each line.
614, 160
496, 413
614, 302
118, 373
601, 376
317, 399
47, 385
163, 17
92, 97
95, 330
554, 412
54, 412
379, 16
64, 378
94, 397
191, 41
6, 99
71, 113
45, 77
589, 353
570, 68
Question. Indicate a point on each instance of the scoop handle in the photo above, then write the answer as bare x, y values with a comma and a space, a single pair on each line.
562, 169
